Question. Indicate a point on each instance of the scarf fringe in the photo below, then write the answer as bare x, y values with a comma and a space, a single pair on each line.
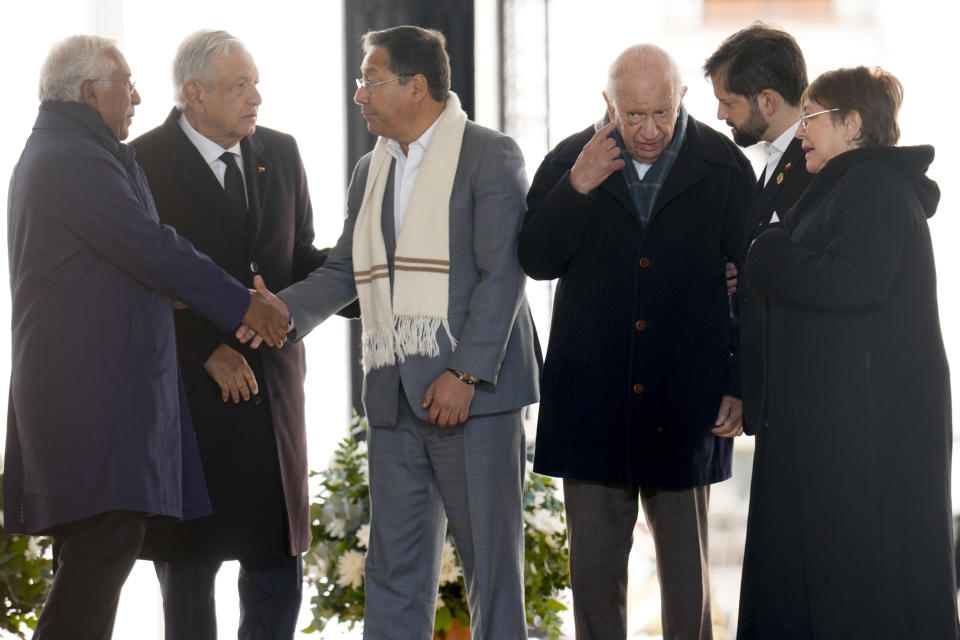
378, 347
410, 336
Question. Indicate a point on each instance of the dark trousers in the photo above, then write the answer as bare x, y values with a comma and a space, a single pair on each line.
270, 593
600, 520
92, 559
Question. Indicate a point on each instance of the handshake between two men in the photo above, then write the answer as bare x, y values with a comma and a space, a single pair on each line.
267, 318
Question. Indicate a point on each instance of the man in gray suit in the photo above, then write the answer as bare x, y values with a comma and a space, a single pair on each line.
449, 350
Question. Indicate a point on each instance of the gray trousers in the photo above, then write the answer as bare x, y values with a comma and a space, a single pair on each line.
600, 520
420, 476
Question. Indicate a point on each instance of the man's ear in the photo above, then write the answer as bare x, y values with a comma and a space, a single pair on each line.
611, 113
419, 87
768, 101
192, 94
89, 95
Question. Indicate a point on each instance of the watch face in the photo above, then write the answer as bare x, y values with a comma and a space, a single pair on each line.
464, 377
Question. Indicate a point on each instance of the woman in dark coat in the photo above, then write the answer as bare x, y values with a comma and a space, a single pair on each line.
849, 530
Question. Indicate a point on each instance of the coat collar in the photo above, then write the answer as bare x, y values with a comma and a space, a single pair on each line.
87, 121
697, 155
195, 172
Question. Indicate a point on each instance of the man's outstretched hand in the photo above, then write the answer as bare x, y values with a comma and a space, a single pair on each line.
267, 318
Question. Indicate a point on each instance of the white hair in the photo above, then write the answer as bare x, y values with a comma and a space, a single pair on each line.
192, 61
645, 58
72, 61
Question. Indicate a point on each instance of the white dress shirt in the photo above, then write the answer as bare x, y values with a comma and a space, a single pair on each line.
405, 172
641, 167
211, 152
776, 149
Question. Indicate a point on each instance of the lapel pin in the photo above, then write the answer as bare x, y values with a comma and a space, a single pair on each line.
780, 177
787, 166
261, 169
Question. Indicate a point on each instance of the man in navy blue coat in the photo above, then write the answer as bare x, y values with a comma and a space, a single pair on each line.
98, 434
636, 217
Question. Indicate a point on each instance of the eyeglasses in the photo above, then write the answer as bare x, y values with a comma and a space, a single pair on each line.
131, 85
368, 86
805, 118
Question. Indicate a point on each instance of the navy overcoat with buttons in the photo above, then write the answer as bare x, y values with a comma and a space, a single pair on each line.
640, 350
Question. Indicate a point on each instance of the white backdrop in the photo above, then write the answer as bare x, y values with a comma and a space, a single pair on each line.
298, 48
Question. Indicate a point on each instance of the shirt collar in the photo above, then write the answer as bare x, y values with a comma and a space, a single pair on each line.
210, 150
783, 141
423, 141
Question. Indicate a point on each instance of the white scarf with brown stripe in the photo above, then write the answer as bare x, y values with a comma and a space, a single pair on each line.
408, 324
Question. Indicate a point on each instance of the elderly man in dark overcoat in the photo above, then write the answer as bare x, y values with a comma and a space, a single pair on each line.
98, 434
636, 216
247, 406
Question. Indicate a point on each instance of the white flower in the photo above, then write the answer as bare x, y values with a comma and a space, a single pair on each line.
350, 568
539, 497
312, 572
440, 603
336, 528
33, 549
363, 535
449, 571
545, 521
316, 567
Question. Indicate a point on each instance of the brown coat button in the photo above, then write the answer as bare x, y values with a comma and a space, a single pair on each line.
641, 325
644, 262
638, 388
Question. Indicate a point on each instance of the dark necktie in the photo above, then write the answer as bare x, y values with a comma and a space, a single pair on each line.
233, 183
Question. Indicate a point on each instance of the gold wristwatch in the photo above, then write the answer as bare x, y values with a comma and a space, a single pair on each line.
465, 377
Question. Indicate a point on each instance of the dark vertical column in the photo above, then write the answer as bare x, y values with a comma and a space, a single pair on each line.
455, 20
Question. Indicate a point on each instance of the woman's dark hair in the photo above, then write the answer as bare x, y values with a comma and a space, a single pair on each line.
873, 93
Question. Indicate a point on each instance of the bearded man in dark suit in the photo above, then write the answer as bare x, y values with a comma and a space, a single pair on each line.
758, 76
239, 193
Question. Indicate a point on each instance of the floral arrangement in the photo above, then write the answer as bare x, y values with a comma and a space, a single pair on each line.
26, 571
340, 517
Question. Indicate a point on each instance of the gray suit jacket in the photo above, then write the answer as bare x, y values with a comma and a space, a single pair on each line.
488, 312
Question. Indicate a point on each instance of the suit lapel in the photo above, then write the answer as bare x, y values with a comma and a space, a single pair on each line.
786, 170
787, 180
257, 173
616, 186
197, 175
687, 170
387, 221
